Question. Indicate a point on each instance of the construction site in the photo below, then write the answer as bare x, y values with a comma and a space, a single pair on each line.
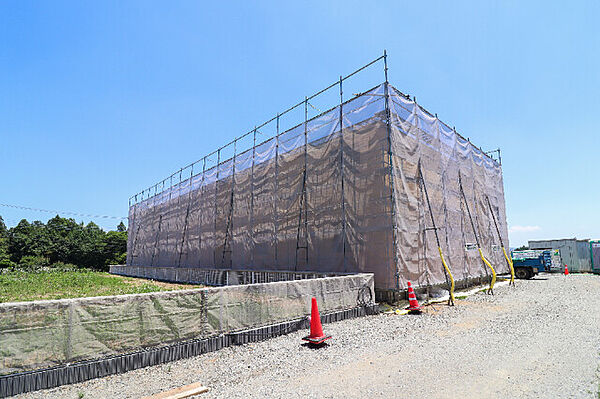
299, 200
363, 209
375, 184
349, 207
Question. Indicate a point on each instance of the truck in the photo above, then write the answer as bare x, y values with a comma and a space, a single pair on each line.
528, 263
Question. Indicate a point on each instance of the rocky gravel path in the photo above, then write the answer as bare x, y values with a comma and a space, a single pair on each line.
538, 340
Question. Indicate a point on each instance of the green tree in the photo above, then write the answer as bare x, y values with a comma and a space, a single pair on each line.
4, 230
62, 240
19, 241
115, 247
28, 239
63, 234
4, 256
91, 247
3, 237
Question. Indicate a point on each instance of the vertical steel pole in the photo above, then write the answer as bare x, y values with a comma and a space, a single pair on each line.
232, 208
302, 206
187, 215
154, 211
354, 210
200, 210
158, 229
252, 200
391, 165
343, 198
133, 235
154, 215
216, 210
305, 181
176, 228
168, 230
275, 202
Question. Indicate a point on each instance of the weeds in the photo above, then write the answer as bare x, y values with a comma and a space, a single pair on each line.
21, 285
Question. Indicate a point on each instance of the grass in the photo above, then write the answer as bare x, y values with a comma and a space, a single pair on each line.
17, 285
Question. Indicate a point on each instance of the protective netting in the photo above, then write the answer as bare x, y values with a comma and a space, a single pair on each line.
47, 333
323, 197
419, 137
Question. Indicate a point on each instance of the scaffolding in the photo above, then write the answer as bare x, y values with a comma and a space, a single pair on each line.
339, 192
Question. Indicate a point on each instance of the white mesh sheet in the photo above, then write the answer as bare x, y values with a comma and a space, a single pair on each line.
418, 137
319, 198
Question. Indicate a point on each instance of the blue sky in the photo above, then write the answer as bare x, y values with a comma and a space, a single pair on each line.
99, 100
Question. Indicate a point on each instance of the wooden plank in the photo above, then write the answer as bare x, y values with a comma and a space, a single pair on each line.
182, 392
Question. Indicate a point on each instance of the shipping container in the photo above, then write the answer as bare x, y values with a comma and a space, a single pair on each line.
574, 253
595, 255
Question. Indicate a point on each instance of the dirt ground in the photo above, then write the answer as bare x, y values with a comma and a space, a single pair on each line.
540, 339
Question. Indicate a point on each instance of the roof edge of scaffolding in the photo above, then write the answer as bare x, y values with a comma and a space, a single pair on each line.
305, 101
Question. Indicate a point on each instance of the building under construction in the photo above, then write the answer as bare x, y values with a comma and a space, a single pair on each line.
374, 184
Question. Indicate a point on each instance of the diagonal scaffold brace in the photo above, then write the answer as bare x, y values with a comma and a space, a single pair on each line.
508, 260
446, 268
485, 261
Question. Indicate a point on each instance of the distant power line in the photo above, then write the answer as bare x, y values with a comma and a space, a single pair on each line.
63, 212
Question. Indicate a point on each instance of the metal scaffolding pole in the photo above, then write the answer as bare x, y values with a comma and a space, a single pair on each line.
252, 200
200, 209
354, 251
302, 205
133, 226
343, 197
391, 165
276, 193
168, 218
305, 193
229, 225
154, 210
187, 215
160, 217
216, 209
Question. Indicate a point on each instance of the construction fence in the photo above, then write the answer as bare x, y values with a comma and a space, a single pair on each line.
43, 334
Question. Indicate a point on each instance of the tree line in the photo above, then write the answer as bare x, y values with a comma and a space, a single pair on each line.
61, 242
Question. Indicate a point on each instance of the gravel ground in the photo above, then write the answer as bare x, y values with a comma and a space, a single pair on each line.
538, 340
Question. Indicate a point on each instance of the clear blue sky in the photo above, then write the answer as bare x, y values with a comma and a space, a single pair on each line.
100, 99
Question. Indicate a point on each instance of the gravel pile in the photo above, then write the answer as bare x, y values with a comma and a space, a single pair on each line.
538, 340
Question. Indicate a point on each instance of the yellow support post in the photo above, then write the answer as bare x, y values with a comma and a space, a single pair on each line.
491, 289
512, 269
449, 275
508, 260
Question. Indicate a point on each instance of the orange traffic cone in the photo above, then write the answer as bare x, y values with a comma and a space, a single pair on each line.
316, 337
413, 304
566, 270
